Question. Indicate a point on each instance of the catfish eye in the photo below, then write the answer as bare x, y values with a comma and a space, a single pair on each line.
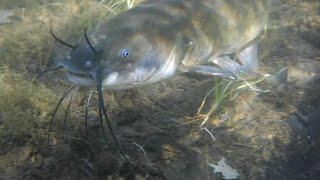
125, 53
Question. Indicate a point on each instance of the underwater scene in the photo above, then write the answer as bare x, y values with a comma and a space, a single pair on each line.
160, 89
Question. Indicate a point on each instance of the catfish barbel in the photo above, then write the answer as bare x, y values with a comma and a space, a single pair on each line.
158, 39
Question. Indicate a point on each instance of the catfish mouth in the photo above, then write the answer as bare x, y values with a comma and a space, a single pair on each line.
76, 75
82, 79
80, 75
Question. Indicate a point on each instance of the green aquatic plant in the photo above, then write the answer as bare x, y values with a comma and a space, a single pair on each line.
219, 94
225, 91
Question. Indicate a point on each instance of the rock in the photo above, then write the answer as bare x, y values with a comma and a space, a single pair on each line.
296, 124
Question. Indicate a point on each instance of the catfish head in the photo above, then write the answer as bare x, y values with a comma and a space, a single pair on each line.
124, 58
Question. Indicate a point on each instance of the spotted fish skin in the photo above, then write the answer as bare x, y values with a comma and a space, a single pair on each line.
164, 35
204, 28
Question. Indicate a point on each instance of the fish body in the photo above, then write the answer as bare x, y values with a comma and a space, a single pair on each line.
158, 38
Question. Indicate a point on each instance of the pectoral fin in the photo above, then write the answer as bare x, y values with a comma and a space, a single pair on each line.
248, 59
207, 70
227, 67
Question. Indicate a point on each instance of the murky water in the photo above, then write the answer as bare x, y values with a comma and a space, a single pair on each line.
268, 129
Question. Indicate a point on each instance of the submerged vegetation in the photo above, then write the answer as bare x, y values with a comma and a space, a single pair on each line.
23, 104
32, 45
26, 48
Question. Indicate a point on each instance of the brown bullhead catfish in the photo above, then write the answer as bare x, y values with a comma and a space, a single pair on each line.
159, 38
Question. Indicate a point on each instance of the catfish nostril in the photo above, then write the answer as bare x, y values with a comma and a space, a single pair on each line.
88, 64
